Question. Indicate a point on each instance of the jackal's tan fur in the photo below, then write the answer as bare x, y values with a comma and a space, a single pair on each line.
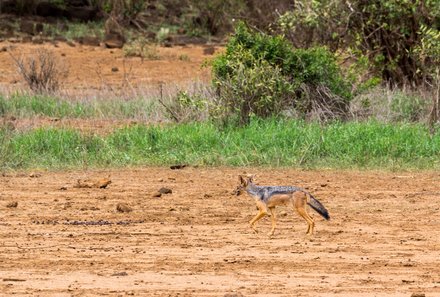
268, 197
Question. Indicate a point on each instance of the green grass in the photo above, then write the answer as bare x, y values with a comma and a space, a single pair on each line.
76, 30
26, 106
262, 143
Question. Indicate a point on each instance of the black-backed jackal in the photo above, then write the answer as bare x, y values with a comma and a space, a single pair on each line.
267, 197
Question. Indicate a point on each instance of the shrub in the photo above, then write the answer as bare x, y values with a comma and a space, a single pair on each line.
258, 89
42, 73
185, 107
140, 48
263, 75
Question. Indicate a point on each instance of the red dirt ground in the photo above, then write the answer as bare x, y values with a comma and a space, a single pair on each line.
383, 238
91, 67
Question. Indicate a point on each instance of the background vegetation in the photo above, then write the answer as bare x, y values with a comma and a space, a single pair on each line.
271, 142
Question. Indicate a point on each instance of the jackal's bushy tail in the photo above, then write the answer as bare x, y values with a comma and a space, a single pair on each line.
318, 207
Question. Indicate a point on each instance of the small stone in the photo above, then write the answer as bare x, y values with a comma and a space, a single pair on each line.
12, 204
178, 166
122, 207
165, 191
103, 183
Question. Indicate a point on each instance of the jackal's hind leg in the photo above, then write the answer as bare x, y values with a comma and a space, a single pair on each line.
311, 224
300, 201
272, 231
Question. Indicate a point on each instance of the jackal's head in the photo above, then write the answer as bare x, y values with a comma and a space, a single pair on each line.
245, 181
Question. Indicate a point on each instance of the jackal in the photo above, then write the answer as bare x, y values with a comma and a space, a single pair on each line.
267, 197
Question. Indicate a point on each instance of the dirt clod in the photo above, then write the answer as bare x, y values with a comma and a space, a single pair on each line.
12, 204
103, 183
89, 183
165, 191
179, 166
122, 207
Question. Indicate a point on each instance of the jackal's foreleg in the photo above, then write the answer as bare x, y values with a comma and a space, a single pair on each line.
262, 211
256, 219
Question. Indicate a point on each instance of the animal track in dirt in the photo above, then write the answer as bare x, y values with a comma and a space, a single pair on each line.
87, 223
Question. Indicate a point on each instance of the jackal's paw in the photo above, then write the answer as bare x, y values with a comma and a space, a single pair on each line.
254, 229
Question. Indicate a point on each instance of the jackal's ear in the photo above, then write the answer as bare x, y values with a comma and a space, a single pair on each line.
241, 179
251, 177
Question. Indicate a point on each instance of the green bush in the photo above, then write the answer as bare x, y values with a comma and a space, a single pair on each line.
264, 75
258, 89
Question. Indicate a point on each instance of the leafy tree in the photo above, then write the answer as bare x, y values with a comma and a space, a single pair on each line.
387, 32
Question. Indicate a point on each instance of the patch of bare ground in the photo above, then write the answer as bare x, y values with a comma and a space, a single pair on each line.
88, 126
383, 238
91, 67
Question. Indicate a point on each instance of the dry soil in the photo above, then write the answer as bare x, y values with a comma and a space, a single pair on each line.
58, 239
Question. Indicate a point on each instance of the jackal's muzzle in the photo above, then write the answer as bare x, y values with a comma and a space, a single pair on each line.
238, 191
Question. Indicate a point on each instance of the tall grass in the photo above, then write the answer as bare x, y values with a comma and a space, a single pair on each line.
25, 106
262, 143
152, 105
382, 104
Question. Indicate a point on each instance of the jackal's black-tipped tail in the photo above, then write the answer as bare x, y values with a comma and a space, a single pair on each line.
318, 207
